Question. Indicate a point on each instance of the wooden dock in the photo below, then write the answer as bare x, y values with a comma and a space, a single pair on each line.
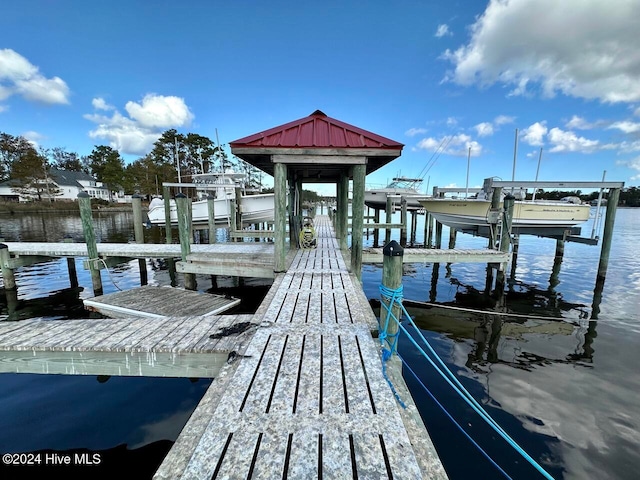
167, 347
433, 255
308, 399
159, 302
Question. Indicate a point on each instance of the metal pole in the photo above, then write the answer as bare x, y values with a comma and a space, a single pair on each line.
535, 190
403, 221
607, 234
166, 195
515, 156
596, 220
466, 195
389, 211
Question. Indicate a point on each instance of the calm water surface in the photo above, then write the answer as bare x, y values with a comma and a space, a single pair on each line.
565, 387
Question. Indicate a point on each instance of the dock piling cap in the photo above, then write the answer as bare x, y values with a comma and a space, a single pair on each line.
393, 249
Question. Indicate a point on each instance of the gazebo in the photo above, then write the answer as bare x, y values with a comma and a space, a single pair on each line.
317, 149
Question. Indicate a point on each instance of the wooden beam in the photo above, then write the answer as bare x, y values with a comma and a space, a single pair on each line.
320, 159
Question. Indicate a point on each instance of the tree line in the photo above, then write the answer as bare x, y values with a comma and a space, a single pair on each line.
629, 197
174, 156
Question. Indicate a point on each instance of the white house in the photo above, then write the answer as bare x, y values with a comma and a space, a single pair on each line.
69, 184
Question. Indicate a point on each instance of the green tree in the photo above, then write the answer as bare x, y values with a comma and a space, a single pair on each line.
107, 166
32, 171
64, 160
12, 149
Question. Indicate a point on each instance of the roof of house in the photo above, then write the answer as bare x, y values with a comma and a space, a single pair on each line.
68, 177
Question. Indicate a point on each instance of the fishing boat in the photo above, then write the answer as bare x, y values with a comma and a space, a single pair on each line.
399, 186
256, 208
475, 215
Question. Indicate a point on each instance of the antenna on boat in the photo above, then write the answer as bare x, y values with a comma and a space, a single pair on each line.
535, 190
515, 156
466, 193
175, 142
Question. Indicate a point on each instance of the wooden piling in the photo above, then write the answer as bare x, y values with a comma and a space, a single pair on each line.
414, 226
357, 210
211, 215
84, 202
438, 239
233, 225
515, 247
391, 279
496, 198
403, 221
376, 231
607, 234
166, 196
280, 214
452, 238
505, 240
389, 212
428, 230
71, 266
184, 232
8, 276
238, 197
138, 231
343, 209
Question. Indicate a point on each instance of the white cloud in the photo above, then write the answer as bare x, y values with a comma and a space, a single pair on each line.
565, 141
629, 147
503, 120
637, 112
525, 43
158, 111
136, 133
457, 145
412, 132
484, 129
19, 77
534, 134
452, 121
3, 108
443, 30
626, 126
99, 103
633, 164
579, 123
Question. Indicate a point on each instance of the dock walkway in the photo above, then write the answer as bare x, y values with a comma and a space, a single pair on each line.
308, 399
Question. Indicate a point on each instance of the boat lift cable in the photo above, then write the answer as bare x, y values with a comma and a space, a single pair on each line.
395, 297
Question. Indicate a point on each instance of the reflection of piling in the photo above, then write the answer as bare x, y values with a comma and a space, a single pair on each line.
391, 279
184, 232
515, 246
434, 282
138, 231
84, 202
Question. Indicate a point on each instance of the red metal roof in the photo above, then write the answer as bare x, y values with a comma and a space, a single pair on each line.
316, 131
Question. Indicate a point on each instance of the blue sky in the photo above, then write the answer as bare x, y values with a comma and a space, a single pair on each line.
465, 74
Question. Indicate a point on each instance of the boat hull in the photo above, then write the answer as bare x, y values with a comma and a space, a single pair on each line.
472, 214
255, 209
378, 199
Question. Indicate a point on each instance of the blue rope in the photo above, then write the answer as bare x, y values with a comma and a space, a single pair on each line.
392, 296
475, 444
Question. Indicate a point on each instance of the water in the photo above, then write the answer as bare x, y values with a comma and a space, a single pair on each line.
564, 388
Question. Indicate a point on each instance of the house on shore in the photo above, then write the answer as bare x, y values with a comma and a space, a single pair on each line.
67, 185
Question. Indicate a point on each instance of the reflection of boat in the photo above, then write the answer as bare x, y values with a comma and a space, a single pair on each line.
255, 208
476, 214
400, 186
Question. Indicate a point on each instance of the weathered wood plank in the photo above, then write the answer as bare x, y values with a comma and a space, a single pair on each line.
310, 383
333, 390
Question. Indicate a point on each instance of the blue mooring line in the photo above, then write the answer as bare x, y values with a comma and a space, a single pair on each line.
395, 296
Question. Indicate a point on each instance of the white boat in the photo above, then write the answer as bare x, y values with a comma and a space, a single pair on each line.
256, 208
475, 214
400, 186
